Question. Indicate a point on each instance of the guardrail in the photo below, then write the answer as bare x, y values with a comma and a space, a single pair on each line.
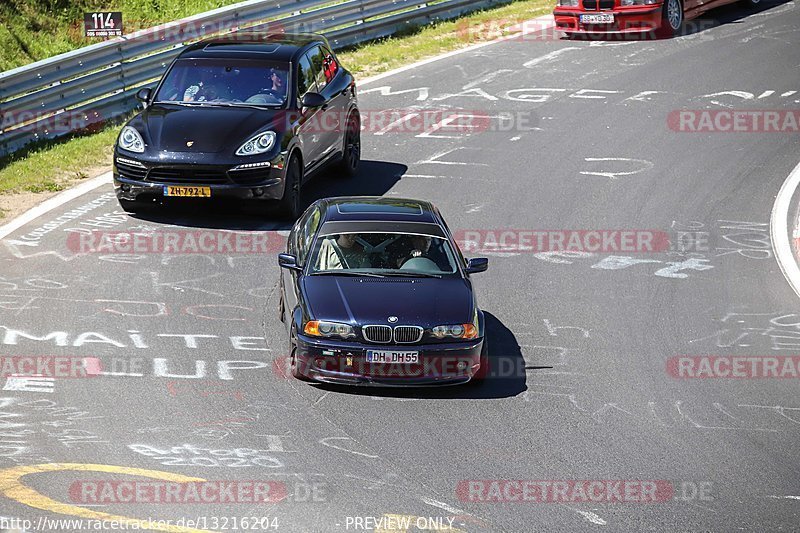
87, 87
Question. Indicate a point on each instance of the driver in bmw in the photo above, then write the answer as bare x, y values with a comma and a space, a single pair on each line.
420, 246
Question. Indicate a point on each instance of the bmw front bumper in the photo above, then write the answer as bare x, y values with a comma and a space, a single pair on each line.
343, 362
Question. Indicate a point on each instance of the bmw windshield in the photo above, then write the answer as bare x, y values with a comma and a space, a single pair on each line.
391, 254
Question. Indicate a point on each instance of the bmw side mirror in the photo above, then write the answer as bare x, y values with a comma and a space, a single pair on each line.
143, 95
289, 261
313, 100
477, 264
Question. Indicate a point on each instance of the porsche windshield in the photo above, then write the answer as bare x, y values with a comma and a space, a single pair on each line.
225, 82
384, 253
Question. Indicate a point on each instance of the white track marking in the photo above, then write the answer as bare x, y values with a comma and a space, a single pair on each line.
30, 384
779, 230
645, 165
588, 515
444, 506
486, 79
538, 24
53, 203
405, 118
326, 442
547, 57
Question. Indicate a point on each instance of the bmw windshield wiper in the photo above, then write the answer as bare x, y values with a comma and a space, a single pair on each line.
348, 273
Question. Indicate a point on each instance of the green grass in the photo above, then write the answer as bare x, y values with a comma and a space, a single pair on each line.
31, 30
55, 165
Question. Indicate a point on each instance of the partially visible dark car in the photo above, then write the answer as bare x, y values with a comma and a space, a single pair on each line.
375, 291
248, 117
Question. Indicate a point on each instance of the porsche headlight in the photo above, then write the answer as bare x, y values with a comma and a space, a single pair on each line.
131, 140
456, 331
321, 328
258, 144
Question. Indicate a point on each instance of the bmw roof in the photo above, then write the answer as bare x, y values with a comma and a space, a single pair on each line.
377, 208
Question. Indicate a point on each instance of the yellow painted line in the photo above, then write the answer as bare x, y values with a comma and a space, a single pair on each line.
12, 487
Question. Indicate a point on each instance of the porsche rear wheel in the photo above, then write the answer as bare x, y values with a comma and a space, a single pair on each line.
351, 153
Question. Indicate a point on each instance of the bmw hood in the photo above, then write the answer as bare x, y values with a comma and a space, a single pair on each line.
175, 128
425, 302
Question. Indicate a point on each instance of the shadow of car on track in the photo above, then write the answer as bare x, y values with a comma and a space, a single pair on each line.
507, 374
374, 178
720, 16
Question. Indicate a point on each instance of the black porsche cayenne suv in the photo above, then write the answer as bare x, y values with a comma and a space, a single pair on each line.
247, 116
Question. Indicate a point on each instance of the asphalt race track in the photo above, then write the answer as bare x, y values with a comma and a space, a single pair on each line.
199, 353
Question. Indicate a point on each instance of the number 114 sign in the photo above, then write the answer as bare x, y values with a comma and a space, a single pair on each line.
103, 24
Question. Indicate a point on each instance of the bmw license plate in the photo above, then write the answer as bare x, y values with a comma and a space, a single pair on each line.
187, 192
389, 356
603, 18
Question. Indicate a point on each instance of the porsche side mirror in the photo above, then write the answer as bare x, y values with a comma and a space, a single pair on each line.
313, 100
289, 261
143, 95
477, 264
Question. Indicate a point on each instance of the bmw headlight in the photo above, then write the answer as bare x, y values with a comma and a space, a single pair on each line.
130, 140
322, 328
456, 331
258, 144
568, 3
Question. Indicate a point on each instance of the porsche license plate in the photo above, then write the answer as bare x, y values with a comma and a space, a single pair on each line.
389, 356
187, 192
603, 18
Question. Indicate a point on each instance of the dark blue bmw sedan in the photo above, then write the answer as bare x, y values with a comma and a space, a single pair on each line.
375, 291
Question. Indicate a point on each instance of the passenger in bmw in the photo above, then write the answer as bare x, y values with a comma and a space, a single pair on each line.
342, 251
